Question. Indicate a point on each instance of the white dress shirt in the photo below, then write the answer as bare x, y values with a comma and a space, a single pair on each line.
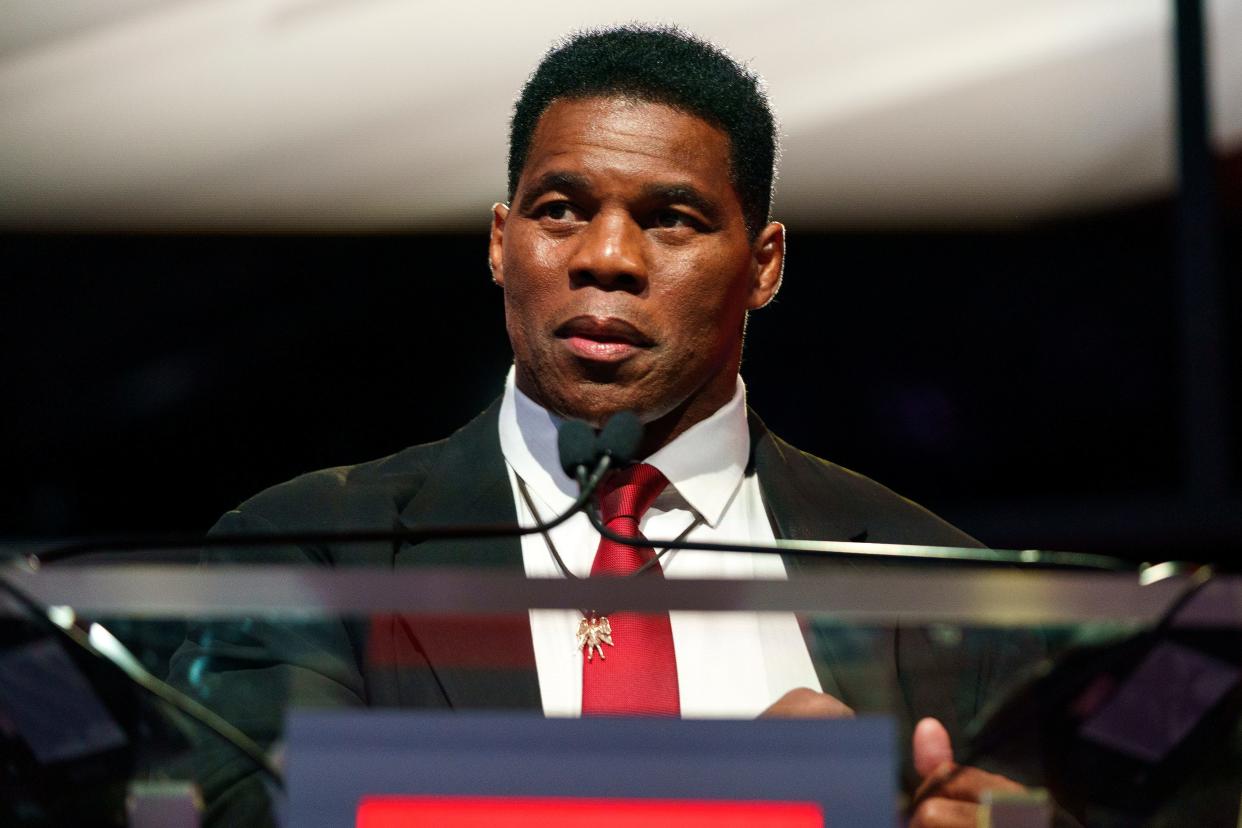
728, 664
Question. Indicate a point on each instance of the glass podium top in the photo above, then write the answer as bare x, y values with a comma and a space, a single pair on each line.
1118, 696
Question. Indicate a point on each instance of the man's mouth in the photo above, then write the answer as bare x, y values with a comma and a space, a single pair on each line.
602, 339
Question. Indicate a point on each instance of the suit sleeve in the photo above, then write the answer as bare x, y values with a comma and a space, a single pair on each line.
251, 670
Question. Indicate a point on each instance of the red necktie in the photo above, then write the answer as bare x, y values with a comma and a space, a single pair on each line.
639, 675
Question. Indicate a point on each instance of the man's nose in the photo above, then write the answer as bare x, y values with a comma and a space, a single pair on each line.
610, 254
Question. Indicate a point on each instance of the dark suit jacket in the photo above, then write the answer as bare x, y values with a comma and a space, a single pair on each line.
250, 671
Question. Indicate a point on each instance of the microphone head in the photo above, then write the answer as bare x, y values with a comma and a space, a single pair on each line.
575, 446
620, 438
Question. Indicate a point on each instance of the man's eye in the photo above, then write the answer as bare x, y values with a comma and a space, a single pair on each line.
559, 211
673, 219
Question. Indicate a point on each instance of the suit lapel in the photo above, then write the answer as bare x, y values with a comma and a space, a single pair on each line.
476, 662
467, 483
802, 502
808, 500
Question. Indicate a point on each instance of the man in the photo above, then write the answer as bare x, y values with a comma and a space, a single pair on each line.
635, 242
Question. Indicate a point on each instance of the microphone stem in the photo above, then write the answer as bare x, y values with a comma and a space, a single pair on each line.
587, 484
984, 557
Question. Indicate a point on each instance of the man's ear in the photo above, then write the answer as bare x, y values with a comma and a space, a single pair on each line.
768, 255
496, 245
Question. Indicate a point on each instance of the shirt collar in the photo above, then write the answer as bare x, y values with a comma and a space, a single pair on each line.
704, 465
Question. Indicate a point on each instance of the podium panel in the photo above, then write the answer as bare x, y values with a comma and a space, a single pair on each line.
354, 767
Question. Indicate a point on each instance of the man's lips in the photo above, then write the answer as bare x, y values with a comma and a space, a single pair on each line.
602, 339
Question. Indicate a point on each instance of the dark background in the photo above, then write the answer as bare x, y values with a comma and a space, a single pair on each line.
1025, 383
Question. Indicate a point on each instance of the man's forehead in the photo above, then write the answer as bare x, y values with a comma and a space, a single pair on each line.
651, 137
622, 102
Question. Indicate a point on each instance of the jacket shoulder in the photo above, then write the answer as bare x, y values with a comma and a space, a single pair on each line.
844, 498
372, 495
363, 495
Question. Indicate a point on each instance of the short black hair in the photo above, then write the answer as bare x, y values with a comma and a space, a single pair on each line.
659, 65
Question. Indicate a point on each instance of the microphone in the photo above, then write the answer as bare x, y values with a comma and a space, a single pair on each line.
620, 438
586, 457
575, 446
616, 446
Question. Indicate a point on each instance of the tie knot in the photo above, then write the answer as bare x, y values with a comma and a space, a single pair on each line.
629, 492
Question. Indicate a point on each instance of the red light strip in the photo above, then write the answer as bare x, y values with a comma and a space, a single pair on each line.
563, 812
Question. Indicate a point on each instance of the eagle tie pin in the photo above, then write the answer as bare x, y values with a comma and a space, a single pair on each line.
593, 634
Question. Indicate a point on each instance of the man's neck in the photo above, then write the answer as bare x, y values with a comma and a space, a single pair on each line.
659, 432
703, 464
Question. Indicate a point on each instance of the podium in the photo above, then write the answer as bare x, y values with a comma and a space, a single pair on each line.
319, 735
578, 771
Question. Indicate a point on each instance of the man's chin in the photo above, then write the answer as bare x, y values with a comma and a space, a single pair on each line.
595, 412
593, 393
596, 403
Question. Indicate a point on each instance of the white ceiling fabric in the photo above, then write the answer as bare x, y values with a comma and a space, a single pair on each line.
391, 114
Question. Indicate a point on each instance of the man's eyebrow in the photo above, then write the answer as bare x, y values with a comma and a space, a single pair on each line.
683, 194
553, 180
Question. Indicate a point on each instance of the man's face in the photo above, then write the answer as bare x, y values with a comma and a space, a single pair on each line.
626, 264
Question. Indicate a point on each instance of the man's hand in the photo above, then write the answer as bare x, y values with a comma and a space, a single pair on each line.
955, 801
805, 703
952, 792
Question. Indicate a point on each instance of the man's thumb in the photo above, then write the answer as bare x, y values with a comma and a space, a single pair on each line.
932, 747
